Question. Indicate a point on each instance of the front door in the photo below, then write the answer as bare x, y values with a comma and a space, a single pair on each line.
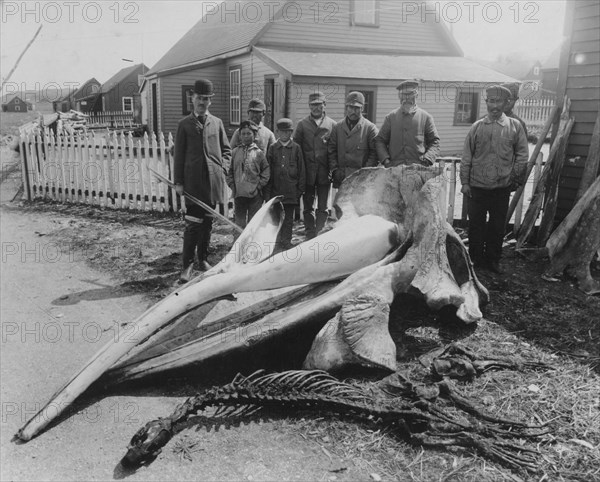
269, 102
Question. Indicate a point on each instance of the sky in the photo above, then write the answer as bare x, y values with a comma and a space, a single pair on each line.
81, 39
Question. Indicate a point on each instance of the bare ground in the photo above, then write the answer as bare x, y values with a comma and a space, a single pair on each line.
527, 319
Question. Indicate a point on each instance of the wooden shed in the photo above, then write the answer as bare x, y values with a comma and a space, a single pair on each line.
579, 79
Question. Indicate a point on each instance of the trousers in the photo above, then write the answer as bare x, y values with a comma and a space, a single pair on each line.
486, 235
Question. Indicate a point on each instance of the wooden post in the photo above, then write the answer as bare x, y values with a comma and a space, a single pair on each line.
590, 169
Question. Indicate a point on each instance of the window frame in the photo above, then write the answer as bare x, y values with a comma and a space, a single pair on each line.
354, 22
235, 98
186, 99
475, 103
123, 103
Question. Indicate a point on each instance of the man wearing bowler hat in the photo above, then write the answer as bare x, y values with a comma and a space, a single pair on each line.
352, 142
408, 134
312, 134
494, 161
264, 137
202, 158
514, 87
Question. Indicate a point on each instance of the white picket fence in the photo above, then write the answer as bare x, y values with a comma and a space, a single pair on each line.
111, 119
535, 111
104, 169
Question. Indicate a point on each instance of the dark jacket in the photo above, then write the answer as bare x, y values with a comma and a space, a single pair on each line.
351, 150
249, 171
408, 138
202, 158
287, 172
312, 139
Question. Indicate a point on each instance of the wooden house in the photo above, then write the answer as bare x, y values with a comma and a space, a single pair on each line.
282, 51
579, 79
85, 98
121, 92
16, 104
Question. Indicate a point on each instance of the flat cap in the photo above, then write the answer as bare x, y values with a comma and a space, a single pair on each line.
355, 99
257, 104
408, 86
513, 87
497, 92
316, 98
285, 124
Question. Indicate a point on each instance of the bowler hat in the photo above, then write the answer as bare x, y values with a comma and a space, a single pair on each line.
316, 98
355, 99
204, 87
497, 92
408, 86
257, 104
285, 124
513, 87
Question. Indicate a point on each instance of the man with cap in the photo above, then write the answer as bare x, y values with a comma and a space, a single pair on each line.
494, 161
312, 134
202, 158
264, 137
408, 134
352, 142
513, 87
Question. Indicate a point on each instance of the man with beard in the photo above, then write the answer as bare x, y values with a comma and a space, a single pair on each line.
494, 161
352, 142
312, 134
202, 158
408, 134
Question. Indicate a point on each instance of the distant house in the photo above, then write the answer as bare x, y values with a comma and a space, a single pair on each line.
283, 53
16, 104
120, 93
84, 99
550, 71
579, 79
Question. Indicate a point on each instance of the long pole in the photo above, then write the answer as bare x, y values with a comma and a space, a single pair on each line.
197, 201
7, 78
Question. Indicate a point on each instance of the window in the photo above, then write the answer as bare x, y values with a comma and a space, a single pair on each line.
17, 100
364, 13
17, 108
369, 107
127, 104
186, 99
467, 107
235, 96
536, 71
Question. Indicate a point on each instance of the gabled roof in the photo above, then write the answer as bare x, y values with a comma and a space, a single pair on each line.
17, 97
380, 67
120, 76
215, 34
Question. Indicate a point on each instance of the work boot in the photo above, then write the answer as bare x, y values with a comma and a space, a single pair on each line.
187, 274
204, 265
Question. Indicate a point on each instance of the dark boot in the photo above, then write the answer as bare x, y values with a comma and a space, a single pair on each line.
309, 225
190, 239
321, 220
204, 243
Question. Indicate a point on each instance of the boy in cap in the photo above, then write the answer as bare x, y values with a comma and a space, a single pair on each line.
264, 138
513, 87
494, 160
312, 134
352, 142
408, 134
287, 178
248, 175
202, 157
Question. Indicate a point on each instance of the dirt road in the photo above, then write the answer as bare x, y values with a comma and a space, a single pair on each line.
56, 313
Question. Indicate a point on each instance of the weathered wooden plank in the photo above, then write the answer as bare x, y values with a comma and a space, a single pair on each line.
590, 170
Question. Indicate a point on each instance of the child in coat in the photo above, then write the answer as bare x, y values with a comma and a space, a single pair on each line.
248, 175
288, 178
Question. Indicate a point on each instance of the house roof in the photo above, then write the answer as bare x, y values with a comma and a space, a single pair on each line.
381, 67
553, 59
212, 36
17, 97
120, 76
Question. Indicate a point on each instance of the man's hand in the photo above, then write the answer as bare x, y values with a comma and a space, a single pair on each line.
179, 189
466, 190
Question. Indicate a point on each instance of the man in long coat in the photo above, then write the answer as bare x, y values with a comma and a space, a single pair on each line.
312, 134
408, 134
202, 158
352, 142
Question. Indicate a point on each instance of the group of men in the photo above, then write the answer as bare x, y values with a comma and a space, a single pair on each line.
494, 159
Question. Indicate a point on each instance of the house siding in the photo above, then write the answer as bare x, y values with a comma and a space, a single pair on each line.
128, 87
580, 81
327, 29
170, 101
